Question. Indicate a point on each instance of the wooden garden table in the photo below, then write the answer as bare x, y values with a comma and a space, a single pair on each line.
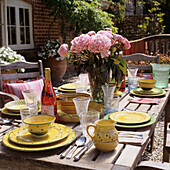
125, 156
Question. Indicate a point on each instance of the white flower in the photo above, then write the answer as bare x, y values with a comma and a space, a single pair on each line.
8, 55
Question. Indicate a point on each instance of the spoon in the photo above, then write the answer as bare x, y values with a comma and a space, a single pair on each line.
79, 142
5, 120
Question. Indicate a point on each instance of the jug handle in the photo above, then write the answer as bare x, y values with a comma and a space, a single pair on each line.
87, 129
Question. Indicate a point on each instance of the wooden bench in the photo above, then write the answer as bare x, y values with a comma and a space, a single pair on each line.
150, 45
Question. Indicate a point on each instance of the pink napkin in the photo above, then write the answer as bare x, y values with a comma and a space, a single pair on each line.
146, 100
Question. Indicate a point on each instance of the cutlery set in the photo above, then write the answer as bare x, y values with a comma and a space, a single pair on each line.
80, 142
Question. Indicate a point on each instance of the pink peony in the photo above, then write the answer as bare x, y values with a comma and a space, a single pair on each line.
118, 37
126, 44
80, 43
90, 33
100, 44
108, 34
63, 50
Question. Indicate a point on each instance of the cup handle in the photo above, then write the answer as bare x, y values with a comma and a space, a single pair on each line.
87, 129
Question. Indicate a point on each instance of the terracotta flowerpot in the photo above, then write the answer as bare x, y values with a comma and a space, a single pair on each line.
58, 68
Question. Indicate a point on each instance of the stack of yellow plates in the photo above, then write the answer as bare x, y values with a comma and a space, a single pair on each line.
20, 139
13, 108
66, 109
155, 92
131, 119
69, 88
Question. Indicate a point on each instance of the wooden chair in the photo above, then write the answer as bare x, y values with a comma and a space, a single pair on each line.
146, 165
142, 57
148, 68
32, 70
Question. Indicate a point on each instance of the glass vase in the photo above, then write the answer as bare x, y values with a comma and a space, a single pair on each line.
96, 90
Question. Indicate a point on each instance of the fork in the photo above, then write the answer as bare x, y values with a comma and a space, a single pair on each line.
2, 134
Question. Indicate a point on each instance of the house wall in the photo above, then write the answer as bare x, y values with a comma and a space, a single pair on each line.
129, 27
41, 22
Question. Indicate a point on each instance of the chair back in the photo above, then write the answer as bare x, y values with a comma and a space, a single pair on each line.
142, 57
9, 72
32, 70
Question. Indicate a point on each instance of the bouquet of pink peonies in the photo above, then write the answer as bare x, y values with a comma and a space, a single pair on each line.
99, 54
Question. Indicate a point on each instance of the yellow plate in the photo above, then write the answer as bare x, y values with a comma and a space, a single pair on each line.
69, 86
148, 92
130, 117
148, 95
10, 113
14, 106
67, 91
23, 137
6, 142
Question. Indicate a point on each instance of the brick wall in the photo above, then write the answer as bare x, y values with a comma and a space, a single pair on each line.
129, 27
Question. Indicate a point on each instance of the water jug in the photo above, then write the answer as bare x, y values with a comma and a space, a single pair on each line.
161, 74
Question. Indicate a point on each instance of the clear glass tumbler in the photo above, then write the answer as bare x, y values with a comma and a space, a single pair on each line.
109, 101
81, 104
25, 112
31, 97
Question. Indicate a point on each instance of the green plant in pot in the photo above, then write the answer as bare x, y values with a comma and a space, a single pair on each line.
48, 53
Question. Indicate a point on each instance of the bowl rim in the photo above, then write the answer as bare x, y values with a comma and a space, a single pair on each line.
152, 81
40, 123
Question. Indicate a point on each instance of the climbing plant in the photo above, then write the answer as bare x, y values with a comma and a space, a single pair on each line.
82, 15
153, 22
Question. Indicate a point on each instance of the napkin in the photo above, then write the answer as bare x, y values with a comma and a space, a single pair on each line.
129, 138
146, 100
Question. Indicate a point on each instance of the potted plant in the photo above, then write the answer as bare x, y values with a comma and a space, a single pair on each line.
7, 55
48, 53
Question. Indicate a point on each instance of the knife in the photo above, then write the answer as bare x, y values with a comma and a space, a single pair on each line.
86, 147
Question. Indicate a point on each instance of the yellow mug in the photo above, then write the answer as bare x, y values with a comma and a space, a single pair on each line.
105, 136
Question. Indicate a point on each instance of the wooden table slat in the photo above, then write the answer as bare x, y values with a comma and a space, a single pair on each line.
128, 156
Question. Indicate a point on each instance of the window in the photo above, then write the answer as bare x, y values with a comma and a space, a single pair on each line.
134, 7
19, 25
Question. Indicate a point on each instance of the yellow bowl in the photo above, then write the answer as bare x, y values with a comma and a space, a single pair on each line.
147, 84
39, 125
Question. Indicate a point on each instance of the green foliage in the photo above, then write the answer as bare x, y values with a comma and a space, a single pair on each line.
82, 15
117, 8
89, 16
153, 23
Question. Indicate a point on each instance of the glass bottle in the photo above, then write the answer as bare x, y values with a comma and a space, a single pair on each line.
48, 98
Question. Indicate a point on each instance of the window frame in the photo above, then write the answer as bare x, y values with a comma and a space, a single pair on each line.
24, 5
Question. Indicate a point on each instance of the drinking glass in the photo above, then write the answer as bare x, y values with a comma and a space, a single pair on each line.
111, 102
25, 112
84, 79
81, 104
132, 72
91, 117
31, 97
132, 83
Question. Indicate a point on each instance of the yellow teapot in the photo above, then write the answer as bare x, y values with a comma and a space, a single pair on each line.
105, 136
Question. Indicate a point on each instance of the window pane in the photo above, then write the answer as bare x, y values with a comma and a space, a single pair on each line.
27, 35
22, 39
9, 36
12, 12
8, 16
21, 17
13, 32
27, 17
